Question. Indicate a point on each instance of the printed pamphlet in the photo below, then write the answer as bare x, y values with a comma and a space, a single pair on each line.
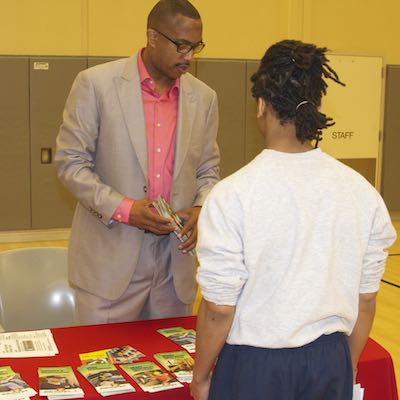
95, 357
185, 338
116, 355
12, 386
165, 210
106, 379
179, 363
59, 383
123, 355
150, 377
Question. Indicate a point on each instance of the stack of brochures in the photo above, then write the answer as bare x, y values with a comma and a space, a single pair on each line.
94, 357
106, 379
123, 355
27, 344
185, 338
165, 210
150, 377
12, 387
116, 355
179, 363
59, 383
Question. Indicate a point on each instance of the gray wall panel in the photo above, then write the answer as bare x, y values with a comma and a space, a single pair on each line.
32, 196
52, 205
227, 78
254, 140
15, 212
92, 61
391, 140
193, 67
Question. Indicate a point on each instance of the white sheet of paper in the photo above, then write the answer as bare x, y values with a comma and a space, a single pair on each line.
27, 344
358, 392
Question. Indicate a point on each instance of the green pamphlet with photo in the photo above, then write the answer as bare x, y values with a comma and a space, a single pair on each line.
150, 377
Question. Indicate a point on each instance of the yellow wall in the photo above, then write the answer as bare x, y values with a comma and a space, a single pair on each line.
367, 27
50, 27
232, 28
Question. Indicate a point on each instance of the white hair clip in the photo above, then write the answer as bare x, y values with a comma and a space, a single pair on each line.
301, 104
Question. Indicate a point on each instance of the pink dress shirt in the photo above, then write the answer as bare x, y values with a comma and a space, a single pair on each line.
160, 114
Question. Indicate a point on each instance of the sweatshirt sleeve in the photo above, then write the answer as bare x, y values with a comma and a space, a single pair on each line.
222, 272
382, 236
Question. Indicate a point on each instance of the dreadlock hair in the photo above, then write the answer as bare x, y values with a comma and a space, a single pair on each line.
165, 9
291, 79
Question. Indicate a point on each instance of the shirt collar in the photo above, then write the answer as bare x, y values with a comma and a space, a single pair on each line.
147, 81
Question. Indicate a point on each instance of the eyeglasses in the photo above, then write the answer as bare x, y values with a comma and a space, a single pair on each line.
184, 48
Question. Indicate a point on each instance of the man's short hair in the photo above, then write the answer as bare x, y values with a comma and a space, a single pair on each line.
166, 9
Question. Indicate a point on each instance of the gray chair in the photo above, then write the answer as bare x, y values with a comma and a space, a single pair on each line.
34, 289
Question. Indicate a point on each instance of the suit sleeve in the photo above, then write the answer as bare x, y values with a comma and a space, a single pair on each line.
76, 152
207, 173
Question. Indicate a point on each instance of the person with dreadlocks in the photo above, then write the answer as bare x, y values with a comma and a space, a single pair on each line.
291, 248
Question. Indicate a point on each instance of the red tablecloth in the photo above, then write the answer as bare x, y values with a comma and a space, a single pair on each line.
375, 371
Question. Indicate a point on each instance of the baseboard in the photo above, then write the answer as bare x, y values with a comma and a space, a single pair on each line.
35, 235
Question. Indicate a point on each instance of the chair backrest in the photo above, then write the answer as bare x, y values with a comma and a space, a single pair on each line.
34, 289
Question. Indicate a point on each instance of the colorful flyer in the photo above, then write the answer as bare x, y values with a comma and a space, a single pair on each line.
185, 338
106, 379
12, 386
150, 377
180, 363
123, 355
95, 357
59, 382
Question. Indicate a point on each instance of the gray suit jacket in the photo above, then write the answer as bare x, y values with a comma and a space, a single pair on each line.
101, 157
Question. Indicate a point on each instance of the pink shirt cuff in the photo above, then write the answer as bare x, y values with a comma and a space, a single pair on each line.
121, 214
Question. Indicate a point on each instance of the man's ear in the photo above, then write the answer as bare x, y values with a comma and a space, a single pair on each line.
151, 37
261, 107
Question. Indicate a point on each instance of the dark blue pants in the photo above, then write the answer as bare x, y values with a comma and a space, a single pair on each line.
320, 370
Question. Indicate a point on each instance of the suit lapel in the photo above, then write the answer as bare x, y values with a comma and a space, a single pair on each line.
186, 113
130, 98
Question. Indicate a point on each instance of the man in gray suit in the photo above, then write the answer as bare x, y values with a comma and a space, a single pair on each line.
134, 129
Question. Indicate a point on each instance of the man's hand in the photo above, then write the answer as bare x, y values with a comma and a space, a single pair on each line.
200, 390
189, 218
141, 216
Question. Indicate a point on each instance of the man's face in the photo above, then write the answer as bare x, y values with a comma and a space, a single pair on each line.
165, 57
